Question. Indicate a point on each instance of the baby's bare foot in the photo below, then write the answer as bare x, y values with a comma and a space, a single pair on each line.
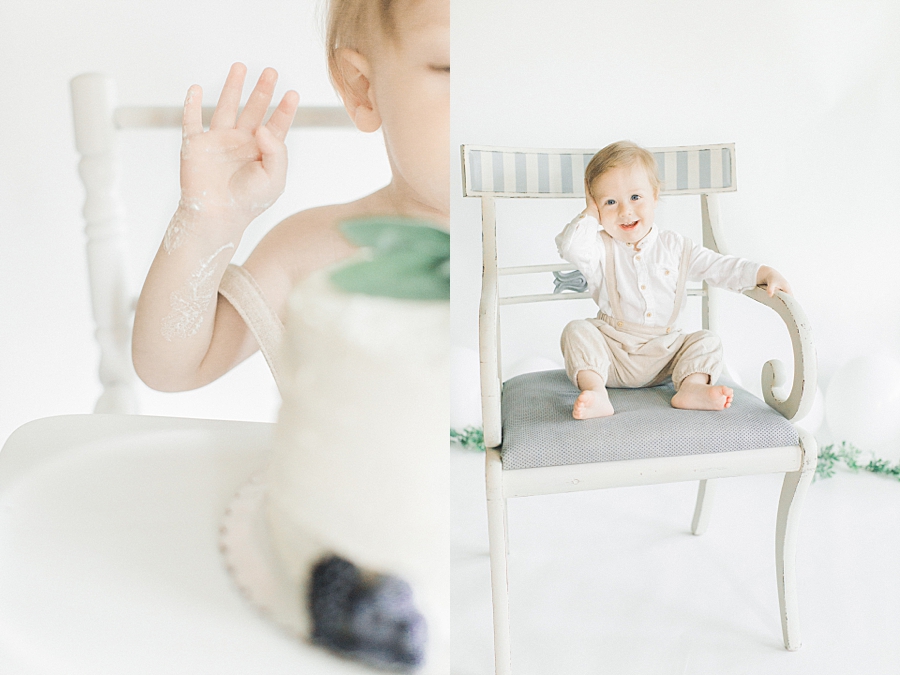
696, 396
591, 404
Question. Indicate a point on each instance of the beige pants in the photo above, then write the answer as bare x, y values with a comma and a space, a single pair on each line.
631, 360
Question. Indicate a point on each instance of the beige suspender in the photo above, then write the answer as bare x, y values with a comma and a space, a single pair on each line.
609, 272
242, 291
681, 286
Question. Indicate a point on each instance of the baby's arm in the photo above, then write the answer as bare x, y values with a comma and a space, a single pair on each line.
733, 273
184, 334
578, 242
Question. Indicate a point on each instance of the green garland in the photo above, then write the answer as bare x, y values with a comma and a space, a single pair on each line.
470, 438
849, 455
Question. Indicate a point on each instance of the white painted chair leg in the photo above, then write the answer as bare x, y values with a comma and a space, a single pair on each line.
789, 507
705, 494
93, 107
499, 550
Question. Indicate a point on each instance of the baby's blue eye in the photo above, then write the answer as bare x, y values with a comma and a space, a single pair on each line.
634, 198
610, 202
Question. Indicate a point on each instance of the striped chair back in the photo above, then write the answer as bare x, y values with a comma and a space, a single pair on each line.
492, 172
539, 172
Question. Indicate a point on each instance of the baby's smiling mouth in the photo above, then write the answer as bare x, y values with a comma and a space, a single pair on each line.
629, 226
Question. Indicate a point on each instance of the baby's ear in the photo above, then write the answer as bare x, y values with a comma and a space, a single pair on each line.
353, 83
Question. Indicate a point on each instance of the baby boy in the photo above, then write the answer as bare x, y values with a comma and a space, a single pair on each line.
637, 275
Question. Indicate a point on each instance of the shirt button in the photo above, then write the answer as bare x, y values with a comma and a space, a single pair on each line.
668, 330
618, 323
667, 272
649, 314
637, 257
643, 287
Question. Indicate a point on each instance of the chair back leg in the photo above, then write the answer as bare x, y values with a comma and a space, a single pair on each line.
705, 494
499, 552
793, 491
93, 108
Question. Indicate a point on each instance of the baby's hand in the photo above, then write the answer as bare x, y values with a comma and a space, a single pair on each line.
772, 280
237, 169
591, 209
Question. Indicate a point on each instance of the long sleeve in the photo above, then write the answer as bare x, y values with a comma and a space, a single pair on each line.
579, 244
723, 271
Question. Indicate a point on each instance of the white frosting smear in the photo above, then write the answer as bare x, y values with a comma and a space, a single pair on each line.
190, 303
182, 223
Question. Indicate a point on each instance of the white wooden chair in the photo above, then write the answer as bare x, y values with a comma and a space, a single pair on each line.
98, 120
533, 445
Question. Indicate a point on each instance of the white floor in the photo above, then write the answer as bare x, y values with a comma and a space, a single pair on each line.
612, 581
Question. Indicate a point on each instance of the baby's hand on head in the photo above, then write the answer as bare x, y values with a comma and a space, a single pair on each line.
591, 209
772, 280
237, 169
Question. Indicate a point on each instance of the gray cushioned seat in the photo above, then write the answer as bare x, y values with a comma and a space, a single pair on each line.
538, 429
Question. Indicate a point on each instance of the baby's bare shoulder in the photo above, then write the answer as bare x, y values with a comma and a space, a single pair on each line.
298, 246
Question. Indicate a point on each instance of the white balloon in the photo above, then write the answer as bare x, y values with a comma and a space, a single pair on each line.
465, 388
530, 364
862, 403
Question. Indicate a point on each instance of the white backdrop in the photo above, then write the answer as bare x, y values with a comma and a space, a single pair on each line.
809, 92
48, 358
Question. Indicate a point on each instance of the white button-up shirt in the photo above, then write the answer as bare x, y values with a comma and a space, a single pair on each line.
647, 277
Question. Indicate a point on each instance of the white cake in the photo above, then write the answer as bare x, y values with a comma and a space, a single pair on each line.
357, 482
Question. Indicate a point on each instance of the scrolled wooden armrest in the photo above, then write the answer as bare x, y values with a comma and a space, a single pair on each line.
774, 372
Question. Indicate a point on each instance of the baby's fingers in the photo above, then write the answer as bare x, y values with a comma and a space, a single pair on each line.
274, 154
281, 119
258, 103
229, 99
192, 122
782, 286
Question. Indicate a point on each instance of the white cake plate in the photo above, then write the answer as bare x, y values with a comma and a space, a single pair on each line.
252, 562
109, 559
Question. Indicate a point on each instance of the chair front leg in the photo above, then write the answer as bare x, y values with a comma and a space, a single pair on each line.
789, 507
499, 551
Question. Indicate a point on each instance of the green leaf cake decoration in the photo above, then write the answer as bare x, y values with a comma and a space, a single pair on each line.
409, 259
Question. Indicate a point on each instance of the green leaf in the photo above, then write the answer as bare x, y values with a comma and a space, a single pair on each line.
410, 259
470, 438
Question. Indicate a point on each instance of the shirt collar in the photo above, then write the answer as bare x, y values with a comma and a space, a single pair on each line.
645, 243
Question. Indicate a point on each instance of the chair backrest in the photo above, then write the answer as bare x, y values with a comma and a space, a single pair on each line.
554, 173
98, 120
492, 173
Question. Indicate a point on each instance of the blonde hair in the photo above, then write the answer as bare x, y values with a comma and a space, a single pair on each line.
352, 24
621, 153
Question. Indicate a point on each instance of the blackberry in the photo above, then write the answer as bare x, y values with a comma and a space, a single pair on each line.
366, 616
332, 583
